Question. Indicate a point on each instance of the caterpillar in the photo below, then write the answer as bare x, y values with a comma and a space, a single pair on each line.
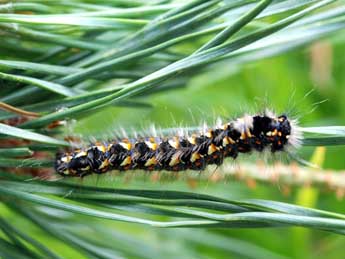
190, 152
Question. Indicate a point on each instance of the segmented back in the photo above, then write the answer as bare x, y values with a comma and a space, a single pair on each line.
194, 152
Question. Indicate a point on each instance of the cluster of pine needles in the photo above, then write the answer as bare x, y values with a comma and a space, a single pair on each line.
62, 60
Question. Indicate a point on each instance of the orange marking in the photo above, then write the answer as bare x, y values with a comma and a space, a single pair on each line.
211, 149
248, 133
209, 134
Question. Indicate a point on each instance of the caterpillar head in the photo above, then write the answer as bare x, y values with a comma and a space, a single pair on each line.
67, 164
287, 131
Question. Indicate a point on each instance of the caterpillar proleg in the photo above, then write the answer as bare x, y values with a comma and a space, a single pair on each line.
190, 152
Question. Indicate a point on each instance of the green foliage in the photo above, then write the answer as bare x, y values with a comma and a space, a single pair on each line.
120, 62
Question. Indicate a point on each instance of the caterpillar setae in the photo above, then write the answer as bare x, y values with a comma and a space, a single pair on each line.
190, 152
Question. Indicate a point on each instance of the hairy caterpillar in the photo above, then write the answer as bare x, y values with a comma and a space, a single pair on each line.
194, 152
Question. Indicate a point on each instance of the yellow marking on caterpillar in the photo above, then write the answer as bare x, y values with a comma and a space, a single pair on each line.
194, 157
104, 164
248, 133
175, 160
279, 134
86, 168
230, 140
151, 145
66, 159
269, 134
192, 139
83, 153
175, 143
226, 141
151, 161
211, 149
209, 134
101, 148
275, 132
126, 161
127, 145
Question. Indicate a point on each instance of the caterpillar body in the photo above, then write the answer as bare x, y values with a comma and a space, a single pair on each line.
193, 152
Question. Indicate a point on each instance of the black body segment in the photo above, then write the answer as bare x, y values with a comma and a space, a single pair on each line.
194, 152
